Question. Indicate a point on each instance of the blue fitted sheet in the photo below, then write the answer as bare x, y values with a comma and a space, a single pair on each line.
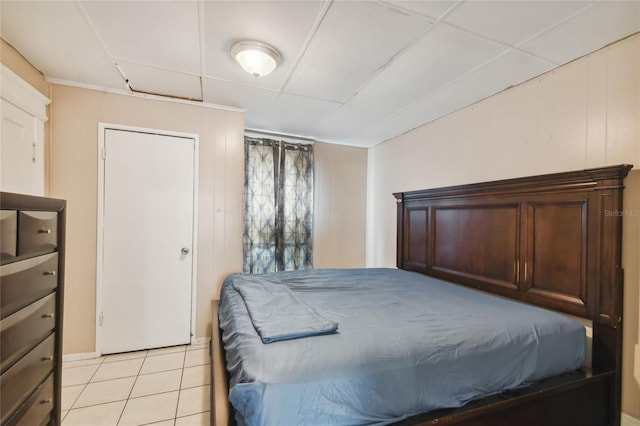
406, 344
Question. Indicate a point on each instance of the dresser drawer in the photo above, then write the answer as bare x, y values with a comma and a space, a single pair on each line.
38, 408
19, 381
37, 232
23, 330
8, 231
24, 282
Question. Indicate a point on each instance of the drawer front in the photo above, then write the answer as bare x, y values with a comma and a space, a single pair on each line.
38, 232
47, 421
38, 407
24, 282
19, 381
20, 332
8, 232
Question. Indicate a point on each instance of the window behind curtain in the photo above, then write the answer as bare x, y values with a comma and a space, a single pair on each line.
278, 209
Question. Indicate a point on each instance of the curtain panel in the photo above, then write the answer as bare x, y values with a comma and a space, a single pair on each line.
278, 208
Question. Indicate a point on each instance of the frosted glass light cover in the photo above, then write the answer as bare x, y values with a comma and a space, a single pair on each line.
258, 59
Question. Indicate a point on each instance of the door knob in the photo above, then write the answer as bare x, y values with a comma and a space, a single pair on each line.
185, 250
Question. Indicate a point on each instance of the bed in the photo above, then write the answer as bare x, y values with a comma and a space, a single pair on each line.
549, 241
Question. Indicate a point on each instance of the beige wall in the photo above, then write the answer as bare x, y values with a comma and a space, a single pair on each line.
13, 60
584, 114
340, 206
75, 114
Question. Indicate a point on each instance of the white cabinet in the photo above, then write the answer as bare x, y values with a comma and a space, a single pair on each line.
22, 118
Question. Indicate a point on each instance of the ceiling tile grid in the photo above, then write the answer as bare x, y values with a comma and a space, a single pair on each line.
431, 9
351, 72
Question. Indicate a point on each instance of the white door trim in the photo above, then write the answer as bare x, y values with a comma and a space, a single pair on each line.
21, 94
102, 127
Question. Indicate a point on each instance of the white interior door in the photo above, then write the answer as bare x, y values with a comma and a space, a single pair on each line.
147, 241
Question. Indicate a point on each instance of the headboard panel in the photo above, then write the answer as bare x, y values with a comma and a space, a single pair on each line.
551, 240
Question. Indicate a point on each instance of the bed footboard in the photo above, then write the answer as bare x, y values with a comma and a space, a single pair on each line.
570, 399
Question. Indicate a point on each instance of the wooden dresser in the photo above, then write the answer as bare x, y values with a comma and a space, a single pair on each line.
32, 233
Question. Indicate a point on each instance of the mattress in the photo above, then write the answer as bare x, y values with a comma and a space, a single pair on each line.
405, 344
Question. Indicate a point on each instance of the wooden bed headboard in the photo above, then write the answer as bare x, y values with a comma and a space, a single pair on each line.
551, 240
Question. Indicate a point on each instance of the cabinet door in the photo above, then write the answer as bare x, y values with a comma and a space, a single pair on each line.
22, 148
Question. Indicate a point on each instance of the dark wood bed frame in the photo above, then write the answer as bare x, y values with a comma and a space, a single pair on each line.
551, 240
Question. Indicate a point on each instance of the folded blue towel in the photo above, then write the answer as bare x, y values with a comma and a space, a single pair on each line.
277, 314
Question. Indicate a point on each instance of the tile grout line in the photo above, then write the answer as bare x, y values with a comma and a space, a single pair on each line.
99, 403
193, 387
84, 387
134, 385
183, 351
184, 361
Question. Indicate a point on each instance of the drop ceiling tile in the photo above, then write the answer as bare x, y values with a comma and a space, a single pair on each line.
157, 81
381, 131
508, 70
511, 69
346, 121
355, 40
512, 22
499, 75
253, 99
94, 70
353, 140
160, 33
443, 55
285, 25
291, 114
431, 9
597, 26
58, 42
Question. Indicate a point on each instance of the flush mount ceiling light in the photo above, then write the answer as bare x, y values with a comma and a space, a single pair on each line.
258, 59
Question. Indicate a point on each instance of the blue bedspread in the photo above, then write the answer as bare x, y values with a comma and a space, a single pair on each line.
406, 344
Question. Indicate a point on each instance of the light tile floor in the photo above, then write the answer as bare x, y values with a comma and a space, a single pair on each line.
167, 386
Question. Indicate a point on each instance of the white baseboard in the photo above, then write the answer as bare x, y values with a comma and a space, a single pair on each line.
91, 355
627, 420
80, 356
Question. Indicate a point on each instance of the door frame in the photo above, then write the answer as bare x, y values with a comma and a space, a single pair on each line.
102, 128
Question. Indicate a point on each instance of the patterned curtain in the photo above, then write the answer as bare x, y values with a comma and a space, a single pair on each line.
278, 191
